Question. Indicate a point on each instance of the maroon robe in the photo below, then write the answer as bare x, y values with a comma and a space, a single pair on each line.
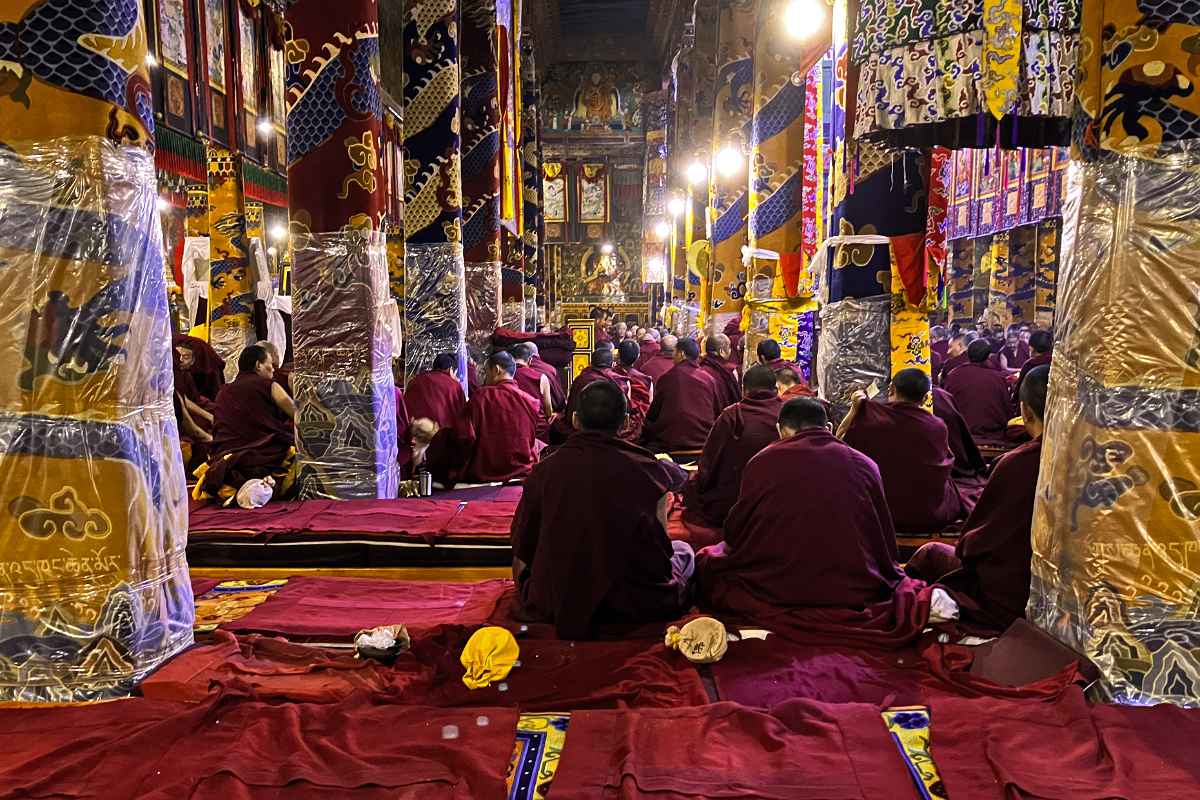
811, 529
648, 350
658, 365
492, 440
912, 450
252, 436
729, 391
435, 395
641, 392
968, 461
684, 409
208, 369
982, 396
1016, 356
529, 380
283, 377
557, 396
595, 550
995, 546
949, 364
1036, 360
742, 430
778, 364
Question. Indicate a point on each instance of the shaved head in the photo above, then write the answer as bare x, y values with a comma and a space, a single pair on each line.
669, 343
717, 345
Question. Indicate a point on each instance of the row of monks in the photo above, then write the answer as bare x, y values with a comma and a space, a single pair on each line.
788, 514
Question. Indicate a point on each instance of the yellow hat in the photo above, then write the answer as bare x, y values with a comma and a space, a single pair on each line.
489, 656
702, 641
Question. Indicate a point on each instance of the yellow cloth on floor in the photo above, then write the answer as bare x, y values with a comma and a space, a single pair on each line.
702, 641
488, 657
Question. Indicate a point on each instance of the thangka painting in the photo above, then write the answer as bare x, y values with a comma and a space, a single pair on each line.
247, 60
172, 34
593, 193
278, 93
589, 275
214, 15
579, 96
554, 192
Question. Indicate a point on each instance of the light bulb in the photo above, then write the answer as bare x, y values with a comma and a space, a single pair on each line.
696, 173
264, 127
729, 161
606, 248
676, 206
162, 203
663, 229
151, 61
803, 18
279, 233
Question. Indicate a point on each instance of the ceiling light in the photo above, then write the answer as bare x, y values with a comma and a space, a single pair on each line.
663, 229
729, 161
803, 18
676, 206
278, 233
696, 173
606, 248
264, 127
162, 203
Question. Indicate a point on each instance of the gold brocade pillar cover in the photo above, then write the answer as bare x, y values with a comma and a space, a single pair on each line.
94, 589
231, 284
1000, 287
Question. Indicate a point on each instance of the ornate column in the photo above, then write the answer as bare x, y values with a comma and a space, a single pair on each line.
231, 284
342, 329
94, 589
435, 298
531, 175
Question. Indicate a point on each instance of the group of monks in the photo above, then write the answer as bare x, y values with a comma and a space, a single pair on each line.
783, 511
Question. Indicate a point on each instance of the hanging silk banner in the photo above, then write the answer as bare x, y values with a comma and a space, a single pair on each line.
231, 293
1046, 279
962, 281
936, 223
1022, 268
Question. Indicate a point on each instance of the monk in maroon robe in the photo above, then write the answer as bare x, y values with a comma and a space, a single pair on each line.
437, 395
911, 447
939, 344
1041, 343
811, 528
253, 434
685, 404
988, 570
742, 430
981, 393
600, 369
663, 361
533, 382
589, 536
724, 373
968, 461
956, 356
770, 354
1015, 352
641, 389
649, 348
557, 396
494, 439
790, 385
207, 368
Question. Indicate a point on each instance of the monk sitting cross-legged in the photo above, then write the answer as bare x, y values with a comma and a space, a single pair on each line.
494, 438
811, 528
981, 393
742, 430
253, 434
912, 450
599, 369
662, 361
988, 570
588, 551
685, 404
717, 365
437, 395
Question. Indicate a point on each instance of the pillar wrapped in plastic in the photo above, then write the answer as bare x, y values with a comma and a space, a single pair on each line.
343, 334
855, 349
435, 304
94, 589
1116, 531
483, 306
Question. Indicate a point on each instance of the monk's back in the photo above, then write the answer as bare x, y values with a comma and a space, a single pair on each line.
811, 528
245, 413
982, 396
435, 395
505, 422
685, 407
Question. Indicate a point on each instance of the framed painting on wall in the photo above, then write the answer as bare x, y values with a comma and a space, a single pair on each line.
214, 33
248, 60
172, 36
554, 191
593, 193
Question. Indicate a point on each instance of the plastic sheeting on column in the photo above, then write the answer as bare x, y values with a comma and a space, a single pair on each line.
483, 306
94, 589
435, 304
344, 337
855, 348
1116, 529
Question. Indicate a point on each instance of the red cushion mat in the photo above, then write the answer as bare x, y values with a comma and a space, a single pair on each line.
232, 747
553, 675
798, 751
316, 608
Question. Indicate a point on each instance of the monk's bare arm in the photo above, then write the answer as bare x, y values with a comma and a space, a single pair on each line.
547, 401
856, 406
283, 401
195, 410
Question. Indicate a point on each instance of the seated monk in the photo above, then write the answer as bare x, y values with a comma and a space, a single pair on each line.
533, 382
494, 439
641, 388
968, 461
811, 528
981, 393
649, 346
663, 361
742, 430
193, 412
253, 434
988, 570
436, 394
724, 373
1041, 346
956, 356
790, 385
939, 344
685, 404
207, 368
589, 551
1015, 352
558, 397
911, 447
282, 376
770, 354
600, 369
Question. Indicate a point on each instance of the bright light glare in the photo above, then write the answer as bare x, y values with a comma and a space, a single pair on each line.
278, 233
663, 229
264, 127
696, 173
151, 61
729, 161
162, 203
606, 248
272, 252
803, 18
676, 206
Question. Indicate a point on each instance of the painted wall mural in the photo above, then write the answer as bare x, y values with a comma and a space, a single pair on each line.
589, 95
